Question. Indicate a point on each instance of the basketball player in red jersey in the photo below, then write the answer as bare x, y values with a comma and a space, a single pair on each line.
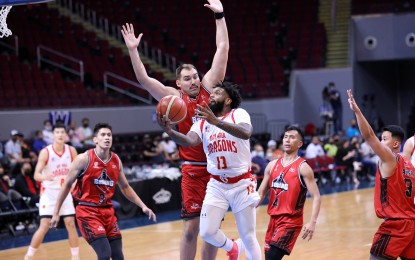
289, 178
394, 191
97, 172
193, 91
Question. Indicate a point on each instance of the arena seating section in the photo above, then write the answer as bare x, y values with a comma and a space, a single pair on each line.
267, 40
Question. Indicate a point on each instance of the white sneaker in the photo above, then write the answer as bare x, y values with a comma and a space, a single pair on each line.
75, 257
26, 257
241, 246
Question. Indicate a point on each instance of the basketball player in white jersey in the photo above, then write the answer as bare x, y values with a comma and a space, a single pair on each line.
51, 170
409, 149
224, 132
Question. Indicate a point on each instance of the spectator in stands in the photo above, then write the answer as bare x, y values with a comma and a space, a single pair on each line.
353, 130
314, 149
369, 159
331, 146
272, 151
152, 153
38, 143
47, 132
346, 156
169, 148
5, 181
336, 104
27, 152
75, 135
13, 151
4, 160
86, 132
26, 185
259, 163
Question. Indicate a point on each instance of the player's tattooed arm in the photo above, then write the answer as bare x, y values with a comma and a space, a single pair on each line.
241, 130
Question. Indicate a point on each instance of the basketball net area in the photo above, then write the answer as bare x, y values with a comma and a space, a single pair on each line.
5, 9
4, 31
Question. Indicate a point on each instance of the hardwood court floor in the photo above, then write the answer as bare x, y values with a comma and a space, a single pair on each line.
345, 229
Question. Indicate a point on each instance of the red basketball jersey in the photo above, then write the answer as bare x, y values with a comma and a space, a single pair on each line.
395, 196
96, 184
287, 189
194, 153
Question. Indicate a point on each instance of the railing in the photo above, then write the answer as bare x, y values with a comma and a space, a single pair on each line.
109, 85
40, 49
12, 47
114, 30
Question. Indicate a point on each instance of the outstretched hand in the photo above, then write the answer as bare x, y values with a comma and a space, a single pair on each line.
164, 122
54, 222
150, 214
352, 102
309, 230
204, 112
215, 5
131, 41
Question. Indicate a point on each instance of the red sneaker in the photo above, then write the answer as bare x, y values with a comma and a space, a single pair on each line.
237, 249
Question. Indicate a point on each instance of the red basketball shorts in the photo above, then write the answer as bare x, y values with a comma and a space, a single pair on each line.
283, 232
97, 222
395, 238
194, 182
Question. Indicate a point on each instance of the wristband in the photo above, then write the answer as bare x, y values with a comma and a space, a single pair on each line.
219, 15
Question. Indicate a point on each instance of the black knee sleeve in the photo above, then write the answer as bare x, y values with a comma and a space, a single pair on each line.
102, 248
274, 253
116, 249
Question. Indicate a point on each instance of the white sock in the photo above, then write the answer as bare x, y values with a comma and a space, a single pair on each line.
31, 251
75, 250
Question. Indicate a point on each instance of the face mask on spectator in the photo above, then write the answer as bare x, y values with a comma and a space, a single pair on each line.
260, 154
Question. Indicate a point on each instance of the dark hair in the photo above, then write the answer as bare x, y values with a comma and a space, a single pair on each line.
396, 131
331, 84
58, 124
233, 92
182, 67
99, 126
295, 128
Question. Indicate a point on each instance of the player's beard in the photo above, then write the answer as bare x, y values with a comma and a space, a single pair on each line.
217, 107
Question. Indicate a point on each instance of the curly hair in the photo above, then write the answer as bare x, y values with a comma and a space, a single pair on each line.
233, 92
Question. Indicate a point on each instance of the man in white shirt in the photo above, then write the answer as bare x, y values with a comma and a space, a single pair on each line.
314, 149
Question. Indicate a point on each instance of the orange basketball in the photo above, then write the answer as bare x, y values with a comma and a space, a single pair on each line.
173, 107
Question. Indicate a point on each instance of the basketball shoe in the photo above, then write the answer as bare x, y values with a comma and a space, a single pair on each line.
237, 249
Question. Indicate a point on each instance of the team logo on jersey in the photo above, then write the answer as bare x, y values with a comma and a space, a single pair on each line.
278, 186
207, 128
95, 165
103, 182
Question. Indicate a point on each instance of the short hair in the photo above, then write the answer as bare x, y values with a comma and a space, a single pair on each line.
296, 128
233, 92
396, 131
99, 126
58, 124
186, 66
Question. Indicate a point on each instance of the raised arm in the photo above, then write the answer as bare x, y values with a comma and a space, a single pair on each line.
308, 177
153, 86
218, 70
132, 196
79, 164
408, 149
240, 130
387, 157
